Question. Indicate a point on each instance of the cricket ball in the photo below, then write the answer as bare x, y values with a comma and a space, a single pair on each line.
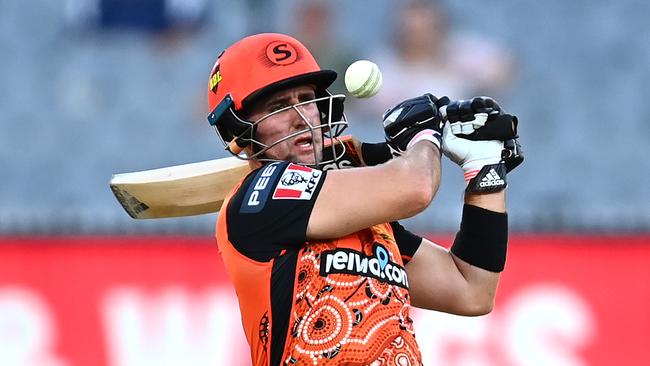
363, 79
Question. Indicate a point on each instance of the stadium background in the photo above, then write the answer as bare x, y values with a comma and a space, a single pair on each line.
88, 90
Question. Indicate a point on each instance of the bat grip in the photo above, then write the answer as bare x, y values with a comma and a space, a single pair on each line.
234, 148
443, 111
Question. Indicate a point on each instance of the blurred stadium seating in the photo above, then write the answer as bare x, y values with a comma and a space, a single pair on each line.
80, 102
87, 91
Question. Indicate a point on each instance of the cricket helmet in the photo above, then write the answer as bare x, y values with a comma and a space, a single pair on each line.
257, 66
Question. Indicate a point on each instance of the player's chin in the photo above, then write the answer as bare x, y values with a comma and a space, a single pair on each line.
306, 159
305, 156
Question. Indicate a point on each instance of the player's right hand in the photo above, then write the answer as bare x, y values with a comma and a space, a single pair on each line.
413, 120
484, 162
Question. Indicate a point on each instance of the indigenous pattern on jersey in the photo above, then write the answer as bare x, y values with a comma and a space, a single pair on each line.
351, 303
333, 302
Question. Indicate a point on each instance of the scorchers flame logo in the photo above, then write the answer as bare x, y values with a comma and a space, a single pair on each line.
281, 53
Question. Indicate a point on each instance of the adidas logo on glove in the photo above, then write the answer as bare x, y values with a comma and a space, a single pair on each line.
491, 179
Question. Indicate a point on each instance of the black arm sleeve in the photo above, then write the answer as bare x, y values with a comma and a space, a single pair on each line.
407, 242
375, 153
270, 211
483, 238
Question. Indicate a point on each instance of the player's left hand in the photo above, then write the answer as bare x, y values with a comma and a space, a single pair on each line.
413, 120
479, 119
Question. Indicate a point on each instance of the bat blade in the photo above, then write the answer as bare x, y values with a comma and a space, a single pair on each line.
200, 188
181, 190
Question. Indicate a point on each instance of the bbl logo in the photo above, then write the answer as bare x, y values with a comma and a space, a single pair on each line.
281, 53
215, 78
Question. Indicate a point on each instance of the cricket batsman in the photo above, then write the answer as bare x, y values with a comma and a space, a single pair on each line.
323, 270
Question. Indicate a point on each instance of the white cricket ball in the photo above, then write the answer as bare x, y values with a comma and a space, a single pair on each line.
363, 79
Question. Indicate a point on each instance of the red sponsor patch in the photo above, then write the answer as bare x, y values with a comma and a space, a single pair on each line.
297, 183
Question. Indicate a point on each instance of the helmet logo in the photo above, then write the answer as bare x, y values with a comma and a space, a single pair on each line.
215, 78
281, 53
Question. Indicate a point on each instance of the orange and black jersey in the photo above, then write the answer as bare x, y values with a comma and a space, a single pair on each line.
341, 301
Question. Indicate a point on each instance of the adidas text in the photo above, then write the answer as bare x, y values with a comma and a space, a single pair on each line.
496, 182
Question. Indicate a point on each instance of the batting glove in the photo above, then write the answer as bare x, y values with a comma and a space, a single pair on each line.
411, 121
480, 118
484, 163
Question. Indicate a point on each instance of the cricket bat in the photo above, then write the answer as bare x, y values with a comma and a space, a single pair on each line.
192, 189
181, 190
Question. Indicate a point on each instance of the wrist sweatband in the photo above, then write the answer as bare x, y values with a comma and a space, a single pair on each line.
482, 239
429, 135
375, 154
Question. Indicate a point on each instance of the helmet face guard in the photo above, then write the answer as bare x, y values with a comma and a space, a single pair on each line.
324, 135
257, 66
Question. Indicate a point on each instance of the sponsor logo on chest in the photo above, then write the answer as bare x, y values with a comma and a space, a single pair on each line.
378, 266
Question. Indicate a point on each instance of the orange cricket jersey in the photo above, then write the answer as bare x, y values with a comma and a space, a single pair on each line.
334, 302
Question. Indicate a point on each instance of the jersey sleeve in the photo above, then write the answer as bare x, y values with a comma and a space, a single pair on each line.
407, 242
270, 211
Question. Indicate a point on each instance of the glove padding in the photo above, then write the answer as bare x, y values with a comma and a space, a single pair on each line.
512, 155
413, 120
480, 118
484, 163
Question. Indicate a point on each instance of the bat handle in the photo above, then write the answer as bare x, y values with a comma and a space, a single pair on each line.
234, 148
443, 111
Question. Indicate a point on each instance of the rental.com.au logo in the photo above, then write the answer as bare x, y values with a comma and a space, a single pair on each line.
378, 266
